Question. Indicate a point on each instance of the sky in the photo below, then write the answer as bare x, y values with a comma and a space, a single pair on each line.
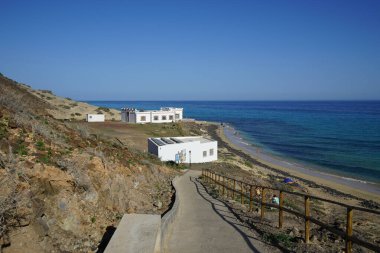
194, 50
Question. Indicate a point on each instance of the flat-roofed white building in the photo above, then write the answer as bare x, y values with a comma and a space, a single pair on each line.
164, 115
95, 117
192, 149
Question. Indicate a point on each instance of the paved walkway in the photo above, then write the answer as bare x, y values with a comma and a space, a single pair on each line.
205, 224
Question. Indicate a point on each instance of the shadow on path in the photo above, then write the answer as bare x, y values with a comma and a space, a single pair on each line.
204, 193
214, 203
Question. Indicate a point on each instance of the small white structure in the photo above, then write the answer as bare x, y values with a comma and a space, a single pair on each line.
95, 118
164, 115
192, 149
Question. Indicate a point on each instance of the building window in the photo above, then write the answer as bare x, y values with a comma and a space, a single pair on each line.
176, 116
171, 117
211, 152
155, 117
204, 153
164, 117
143, 118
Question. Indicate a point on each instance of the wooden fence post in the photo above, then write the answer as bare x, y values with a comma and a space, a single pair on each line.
262, 203
251, 198
280, 211
349, 230
307, 220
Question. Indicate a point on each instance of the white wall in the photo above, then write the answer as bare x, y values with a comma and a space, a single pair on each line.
169, 151
150, 116
141, 114
95, 118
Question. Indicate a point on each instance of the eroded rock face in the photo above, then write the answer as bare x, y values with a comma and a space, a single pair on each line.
69, 210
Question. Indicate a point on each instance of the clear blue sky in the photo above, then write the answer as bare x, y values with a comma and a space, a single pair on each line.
194, 50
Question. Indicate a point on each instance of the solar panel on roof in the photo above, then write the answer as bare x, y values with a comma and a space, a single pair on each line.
158, 142
167, 140
176, 140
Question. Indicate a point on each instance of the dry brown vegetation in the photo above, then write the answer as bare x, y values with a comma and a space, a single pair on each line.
61, 186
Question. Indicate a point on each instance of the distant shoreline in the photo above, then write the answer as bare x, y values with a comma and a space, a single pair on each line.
349, 186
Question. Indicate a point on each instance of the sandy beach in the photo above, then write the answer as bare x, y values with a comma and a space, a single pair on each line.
358, 188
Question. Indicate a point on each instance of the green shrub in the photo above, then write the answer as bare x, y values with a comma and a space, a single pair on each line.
104, 109
3, 131
21, 149
44, 159
281, 238
40, 145
248, 163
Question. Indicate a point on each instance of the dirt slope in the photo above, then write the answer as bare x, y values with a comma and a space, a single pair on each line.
60, 186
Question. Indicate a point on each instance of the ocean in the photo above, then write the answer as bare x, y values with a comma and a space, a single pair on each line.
339, 137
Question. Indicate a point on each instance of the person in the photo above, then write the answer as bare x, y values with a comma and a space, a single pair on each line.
275, 200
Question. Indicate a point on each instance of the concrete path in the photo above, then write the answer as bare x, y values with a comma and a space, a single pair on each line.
205, 224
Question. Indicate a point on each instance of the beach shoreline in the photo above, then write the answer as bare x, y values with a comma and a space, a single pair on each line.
347, 186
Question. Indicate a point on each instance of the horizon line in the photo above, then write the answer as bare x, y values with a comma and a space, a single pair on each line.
236, 100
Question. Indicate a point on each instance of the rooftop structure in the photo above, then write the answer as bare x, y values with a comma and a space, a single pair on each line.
164, 115
191, 149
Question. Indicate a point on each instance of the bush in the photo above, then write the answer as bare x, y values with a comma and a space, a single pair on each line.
281, 238
46, 91
104, 109
65, 107
21, 149
40, 145
3, 130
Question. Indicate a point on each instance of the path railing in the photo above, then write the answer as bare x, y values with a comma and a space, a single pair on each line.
227, 186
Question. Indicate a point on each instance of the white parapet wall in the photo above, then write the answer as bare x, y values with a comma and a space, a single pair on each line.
164, 115
95, 117
191, 149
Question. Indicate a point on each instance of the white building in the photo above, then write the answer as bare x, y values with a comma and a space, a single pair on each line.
95, 118
192, 149
164, 115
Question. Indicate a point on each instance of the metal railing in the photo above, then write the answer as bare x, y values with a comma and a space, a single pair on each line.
227, 186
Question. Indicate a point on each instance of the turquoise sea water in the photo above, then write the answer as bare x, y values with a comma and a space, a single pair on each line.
339, 137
